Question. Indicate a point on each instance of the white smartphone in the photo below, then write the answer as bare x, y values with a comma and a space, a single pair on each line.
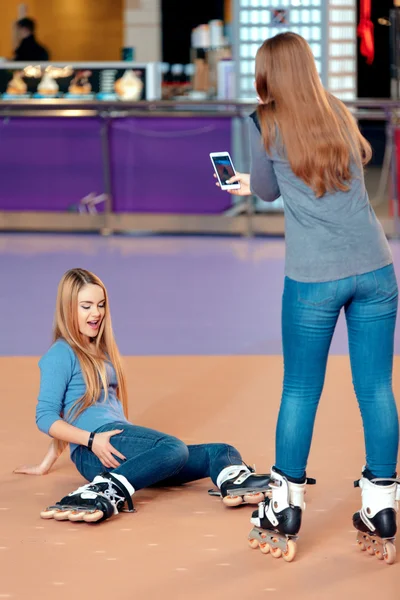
224, 170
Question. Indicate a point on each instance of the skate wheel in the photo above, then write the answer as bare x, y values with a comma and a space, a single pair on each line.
254, 498
76, 515
265, 548
379, 555
232, 500
389, 553
92, 517
370, 549
253, 544
362, 546
276, 552
48, 514
62, 515
291, 550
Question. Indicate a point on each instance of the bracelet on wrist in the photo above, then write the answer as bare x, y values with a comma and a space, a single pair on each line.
90, 442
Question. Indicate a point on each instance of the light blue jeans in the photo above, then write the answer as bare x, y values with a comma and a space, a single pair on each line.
309, 315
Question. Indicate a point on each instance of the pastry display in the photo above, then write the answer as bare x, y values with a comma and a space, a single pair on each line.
80, 83
48, 86
129, 86
17, 85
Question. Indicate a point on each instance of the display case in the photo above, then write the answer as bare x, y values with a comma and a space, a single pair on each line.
125, 81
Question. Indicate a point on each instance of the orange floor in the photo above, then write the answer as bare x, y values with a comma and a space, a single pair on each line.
182, 543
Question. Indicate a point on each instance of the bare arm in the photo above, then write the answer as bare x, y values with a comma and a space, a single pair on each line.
56, 448
62, 433
102, 447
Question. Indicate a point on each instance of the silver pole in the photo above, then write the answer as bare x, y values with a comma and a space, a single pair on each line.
105, 150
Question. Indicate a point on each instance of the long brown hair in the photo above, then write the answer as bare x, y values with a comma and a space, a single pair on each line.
318, 135
91, 358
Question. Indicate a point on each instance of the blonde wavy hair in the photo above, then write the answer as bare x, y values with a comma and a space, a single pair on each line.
320, 136
92, 358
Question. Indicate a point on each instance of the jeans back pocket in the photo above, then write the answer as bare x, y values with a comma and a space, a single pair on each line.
386, 282
316, 294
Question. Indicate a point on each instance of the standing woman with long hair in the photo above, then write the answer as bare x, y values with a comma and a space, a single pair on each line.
306, 147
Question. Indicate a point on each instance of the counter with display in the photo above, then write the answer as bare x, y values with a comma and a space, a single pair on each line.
125, 81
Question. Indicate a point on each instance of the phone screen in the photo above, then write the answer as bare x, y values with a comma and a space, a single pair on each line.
224, 168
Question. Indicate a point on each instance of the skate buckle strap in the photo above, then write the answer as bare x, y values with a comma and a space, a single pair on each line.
278, 483
252, 469
388, 480
242, 478
367, 521
269, 513
120, 486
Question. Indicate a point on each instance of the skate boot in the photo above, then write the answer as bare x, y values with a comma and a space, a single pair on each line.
376, 521
278, 519
94, 502
239, 484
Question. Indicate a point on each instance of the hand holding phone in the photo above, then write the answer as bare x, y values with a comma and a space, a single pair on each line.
244, 180
224, 170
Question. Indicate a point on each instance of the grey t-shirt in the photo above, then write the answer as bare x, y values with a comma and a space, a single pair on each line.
327, 238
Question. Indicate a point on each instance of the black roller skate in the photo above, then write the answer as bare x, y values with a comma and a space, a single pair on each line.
239, 484
376, 521
278, 519
94, 502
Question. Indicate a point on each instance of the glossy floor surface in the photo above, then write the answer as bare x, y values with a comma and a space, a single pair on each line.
197, 320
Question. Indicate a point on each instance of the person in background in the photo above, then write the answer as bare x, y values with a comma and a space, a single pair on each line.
28, 48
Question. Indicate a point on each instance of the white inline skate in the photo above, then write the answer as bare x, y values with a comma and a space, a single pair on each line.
278, 519
376, 521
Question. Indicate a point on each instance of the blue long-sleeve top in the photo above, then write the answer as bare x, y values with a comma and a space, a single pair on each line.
62, 384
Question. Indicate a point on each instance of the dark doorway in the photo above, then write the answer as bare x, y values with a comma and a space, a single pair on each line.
373, 81
179, 17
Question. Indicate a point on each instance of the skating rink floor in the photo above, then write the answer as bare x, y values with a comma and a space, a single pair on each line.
198, 322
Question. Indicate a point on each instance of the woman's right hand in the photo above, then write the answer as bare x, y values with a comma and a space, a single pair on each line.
54, 451
104, 451
244, 180
31, 470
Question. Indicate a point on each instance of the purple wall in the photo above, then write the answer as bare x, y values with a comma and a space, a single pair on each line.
158, 164
163, 165
49, 164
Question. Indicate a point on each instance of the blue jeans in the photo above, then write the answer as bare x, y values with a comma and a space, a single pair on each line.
309, 315
154, 458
